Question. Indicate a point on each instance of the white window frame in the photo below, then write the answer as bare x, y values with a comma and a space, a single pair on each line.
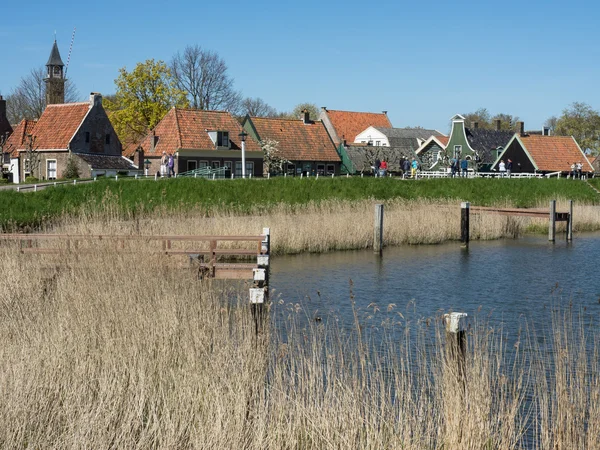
249, 168
238, 169
330, 169
457, 151
202, 164
48, 161
321, 169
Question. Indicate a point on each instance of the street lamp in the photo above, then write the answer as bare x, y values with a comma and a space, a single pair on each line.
243, 136
147, 164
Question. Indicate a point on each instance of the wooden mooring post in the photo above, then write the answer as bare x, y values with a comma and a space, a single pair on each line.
552, 222
570, 222
259, 293
378, 229
465, 208
456, 341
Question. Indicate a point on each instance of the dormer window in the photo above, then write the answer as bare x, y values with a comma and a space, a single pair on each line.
223, 139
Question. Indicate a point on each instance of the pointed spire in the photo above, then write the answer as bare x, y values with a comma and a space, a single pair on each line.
55, 59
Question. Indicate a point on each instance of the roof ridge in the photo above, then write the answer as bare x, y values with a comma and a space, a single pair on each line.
284, 118
201, 110
68, 104
357, 112
178, 129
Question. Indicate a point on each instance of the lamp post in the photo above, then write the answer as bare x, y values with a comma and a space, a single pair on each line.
147, 164
243, 136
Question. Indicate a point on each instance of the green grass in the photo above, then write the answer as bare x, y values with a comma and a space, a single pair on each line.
33, 209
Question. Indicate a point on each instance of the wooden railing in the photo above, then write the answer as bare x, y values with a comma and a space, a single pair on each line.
206, 259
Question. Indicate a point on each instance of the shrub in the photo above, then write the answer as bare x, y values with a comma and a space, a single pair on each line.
3, 180
72, 170
32, 180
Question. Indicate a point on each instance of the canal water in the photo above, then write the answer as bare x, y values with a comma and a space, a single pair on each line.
505, 282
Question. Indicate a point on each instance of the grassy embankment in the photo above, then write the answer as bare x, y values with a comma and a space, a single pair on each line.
132, 357
304, 214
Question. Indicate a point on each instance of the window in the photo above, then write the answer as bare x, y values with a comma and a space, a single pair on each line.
87, 137
216, 164
291, 169
321, 169
107, 139
330, 169
203, 165
192, 164
51, 169
238, 168
223, 139
26, 167
249, 168
378, 143
457, 151
228, 165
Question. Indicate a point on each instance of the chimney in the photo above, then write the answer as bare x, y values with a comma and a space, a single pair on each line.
546, 131
138, 158
2, 108
521, 128
385, 112
95, 99
305, 116
498, 124
475, 124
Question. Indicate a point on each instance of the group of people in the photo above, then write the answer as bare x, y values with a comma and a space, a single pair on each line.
167, 165
380, 168
505, 169
460, 167
407, 167
576, 170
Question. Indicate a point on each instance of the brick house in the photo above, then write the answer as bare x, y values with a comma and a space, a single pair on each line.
304, 143
78, 130
198, 139
344, 126
543, 154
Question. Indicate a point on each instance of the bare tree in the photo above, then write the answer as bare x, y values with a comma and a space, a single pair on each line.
202, 74
32, 157
28, 99
257, 107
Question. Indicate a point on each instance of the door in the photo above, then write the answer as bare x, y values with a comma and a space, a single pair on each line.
51, 169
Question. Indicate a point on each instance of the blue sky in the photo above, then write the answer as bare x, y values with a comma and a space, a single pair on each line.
421, 61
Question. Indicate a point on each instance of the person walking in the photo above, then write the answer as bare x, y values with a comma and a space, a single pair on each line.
406, 167
171, 164
163, 164
502, 168
579, 169
452, 167
464, 165
383, 168
413, 168
509, 166
573, 171
377, 167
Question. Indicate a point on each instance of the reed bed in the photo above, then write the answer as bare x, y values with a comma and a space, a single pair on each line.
113, 350
327, 225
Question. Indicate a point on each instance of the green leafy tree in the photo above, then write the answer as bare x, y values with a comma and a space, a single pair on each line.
583, 123
142, 99
507, 121
312, 109
71, 170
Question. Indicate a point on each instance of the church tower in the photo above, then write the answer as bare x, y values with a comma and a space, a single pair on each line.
55, 81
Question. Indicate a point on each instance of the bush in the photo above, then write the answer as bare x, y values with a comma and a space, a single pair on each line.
31, 180
71, 171
3, 180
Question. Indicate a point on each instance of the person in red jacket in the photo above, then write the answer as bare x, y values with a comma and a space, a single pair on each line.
383, 168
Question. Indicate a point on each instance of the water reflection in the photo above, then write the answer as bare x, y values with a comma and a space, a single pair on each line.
508, 281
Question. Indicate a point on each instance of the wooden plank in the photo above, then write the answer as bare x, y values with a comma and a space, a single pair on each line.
24, 236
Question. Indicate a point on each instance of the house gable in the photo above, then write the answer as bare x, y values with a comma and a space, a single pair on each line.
370, 136
346, 125
458, 144
95, 134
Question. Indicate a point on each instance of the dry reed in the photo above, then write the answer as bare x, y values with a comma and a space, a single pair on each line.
121, 351
329, 225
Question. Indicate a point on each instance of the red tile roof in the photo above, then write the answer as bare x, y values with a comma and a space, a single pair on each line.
349, 124
58, 124
443, 139
17, 139
297, 141
555, 153
188, 129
